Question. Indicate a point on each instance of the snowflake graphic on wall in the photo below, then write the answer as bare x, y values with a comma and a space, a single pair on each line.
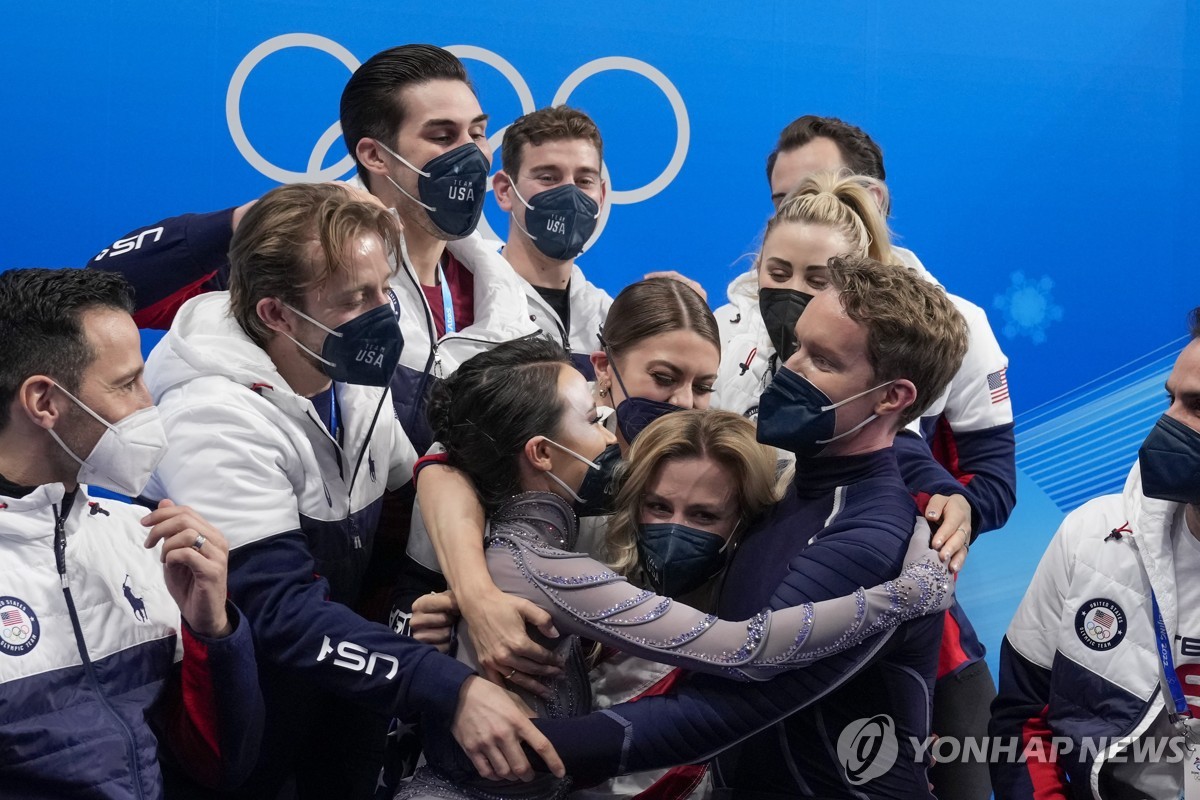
1028, 307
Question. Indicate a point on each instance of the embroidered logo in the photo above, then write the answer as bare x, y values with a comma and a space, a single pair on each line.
19, 627
136, 603
1100, 624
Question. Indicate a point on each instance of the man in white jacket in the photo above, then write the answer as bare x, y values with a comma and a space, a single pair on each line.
1101, 663
276, 404
119, 652
553, 191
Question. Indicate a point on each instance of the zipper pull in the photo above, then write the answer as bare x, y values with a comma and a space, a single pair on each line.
60, 544
437, 364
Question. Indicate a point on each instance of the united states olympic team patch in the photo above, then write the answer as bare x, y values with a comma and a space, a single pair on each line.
1100, 624
19, 627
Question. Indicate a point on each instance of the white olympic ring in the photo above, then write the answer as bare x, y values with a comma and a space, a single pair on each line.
233, 111
314, 173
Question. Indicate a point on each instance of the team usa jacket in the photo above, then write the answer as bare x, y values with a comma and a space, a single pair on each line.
298, 497
181, 257
1080, 658
588, 304
99, 676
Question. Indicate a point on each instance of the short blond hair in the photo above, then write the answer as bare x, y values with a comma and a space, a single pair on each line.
293, 240
847, 204
727, 438
913, 330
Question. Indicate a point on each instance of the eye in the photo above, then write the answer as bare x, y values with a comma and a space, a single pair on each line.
586, 182
663, 379
818, 283
705, 517
702, 388
657, 508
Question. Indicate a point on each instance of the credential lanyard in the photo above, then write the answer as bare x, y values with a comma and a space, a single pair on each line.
447, 302
1166, 655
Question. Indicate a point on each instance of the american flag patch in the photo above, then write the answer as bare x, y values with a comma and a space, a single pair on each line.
998, 386
12, 616
1104, 618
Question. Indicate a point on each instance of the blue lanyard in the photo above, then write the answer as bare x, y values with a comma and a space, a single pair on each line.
333, 414
447, 302
1166, 655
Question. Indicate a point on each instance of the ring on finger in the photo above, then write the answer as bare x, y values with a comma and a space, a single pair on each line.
509, 676
200, 540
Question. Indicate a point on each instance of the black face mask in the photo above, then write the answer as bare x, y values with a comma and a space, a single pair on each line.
363, 350
559, 221
780, 309
1170, 462
596, 489
452, 187
678, 558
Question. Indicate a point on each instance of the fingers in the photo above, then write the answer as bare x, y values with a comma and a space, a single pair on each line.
173, 520
514, 758
538, 618
530, 684
436, 603
676, 276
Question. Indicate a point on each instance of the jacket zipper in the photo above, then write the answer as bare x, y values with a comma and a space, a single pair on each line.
60, 558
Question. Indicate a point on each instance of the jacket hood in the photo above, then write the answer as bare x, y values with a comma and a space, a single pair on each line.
205, 340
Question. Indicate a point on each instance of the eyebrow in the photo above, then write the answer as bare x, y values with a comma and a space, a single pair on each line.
781, 261
441, 123
653, 496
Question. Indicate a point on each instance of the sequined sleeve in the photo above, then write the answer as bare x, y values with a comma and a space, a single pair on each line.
586, 598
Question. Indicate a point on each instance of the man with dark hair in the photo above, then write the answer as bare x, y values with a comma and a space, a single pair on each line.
969, 429
412, 123
116, 634
552, 188
276, 403
1099, 668
816, 144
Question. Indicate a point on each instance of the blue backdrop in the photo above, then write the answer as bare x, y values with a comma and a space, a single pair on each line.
1039, 156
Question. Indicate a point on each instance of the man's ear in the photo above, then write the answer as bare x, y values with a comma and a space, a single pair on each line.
270, 311
901, 394
537, 454
38, 401
502, 186
372, 156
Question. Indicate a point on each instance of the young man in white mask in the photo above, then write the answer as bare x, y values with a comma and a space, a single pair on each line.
1105, 646
104, 605
275, 399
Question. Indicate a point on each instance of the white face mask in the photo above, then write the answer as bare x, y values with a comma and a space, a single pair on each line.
126, 455
574, 495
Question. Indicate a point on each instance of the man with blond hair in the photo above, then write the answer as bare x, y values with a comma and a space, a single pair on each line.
275, 401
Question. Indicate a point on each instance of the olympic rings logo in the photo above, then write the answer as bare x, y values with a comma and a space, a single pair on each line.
313, 172
16, 633
1098, 631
